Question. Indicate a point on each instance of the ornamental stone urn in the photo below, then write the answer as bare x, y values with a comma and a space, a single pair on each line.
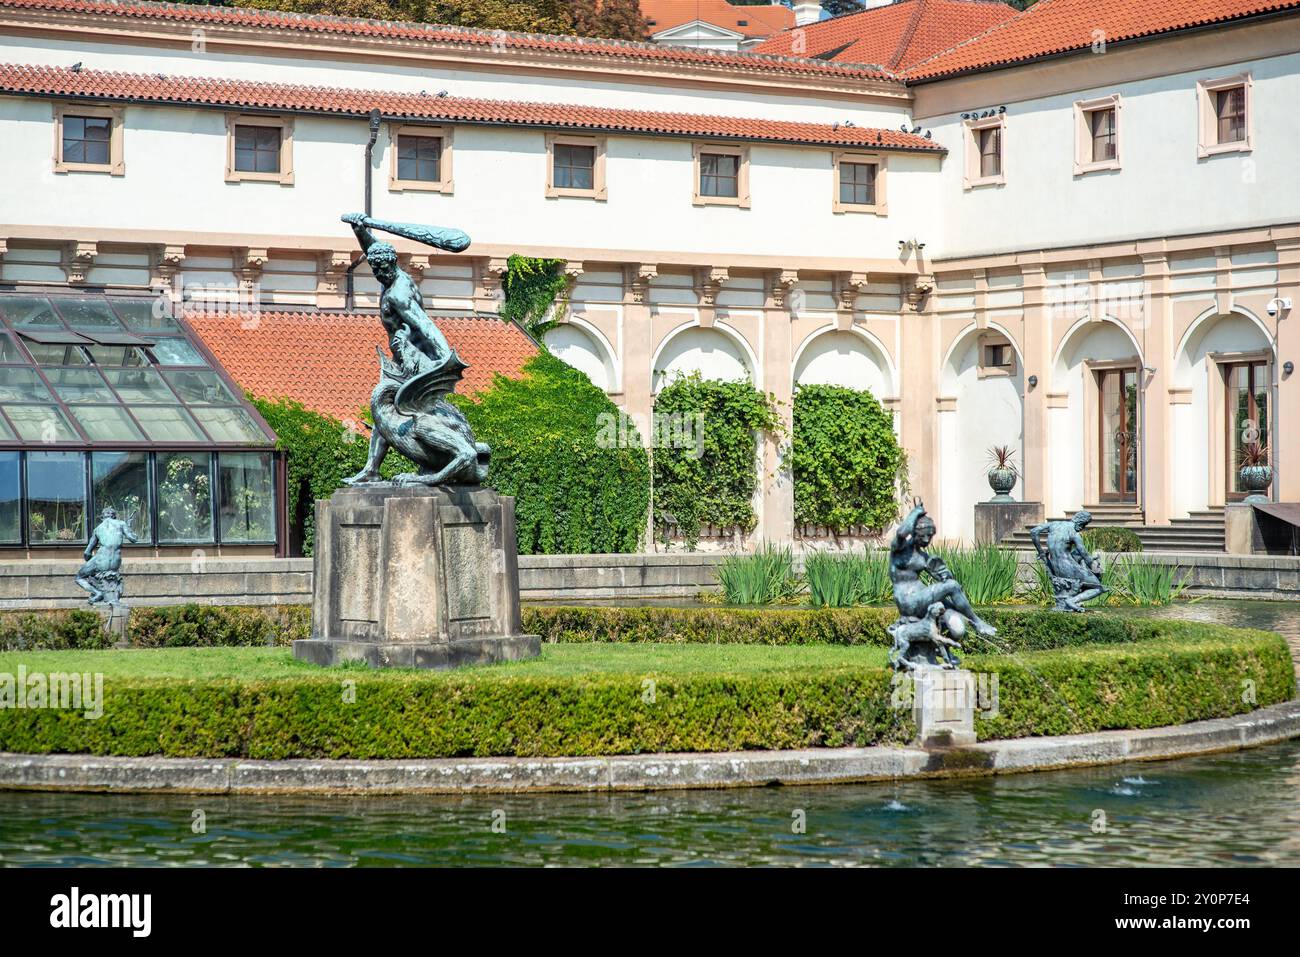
1002, 481
1256, 479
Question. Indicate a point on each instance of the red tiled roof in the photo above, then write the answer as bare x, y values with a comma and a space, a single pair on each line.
156, 88
894, 36
1062, 26
332, 366
443, 35
752, 21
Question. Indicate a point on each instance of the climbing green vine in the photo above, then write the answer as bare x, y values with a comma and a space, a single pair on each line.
708, 474
847, 464
531, 285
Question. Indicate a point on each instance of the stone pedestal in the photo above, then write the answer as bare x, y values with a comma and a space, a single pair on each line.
943, 707
115, 617
1240, 531
996, 520
416, 578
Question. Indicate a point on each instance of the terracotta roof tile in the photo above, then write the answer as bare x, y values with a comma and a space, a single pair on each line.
894, 36
1062, 26
332, 366
199, 91
751, 21
443, 35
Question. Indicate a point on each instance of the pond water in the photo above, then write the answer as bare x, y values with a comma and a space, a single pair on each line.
1232, 809
1239, 809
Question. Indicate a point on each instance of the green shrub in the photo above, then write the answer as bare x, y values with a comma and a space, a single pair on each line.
845, 579
574, 463
1111, 538
532, 286
762, 578
845, 458
169, 626
1183, 672
52, 630
711, 482
986, 572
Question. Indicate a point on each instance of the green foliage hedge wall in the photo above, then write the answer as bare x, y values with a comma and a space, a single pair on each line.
711, 482
575, 465
845, 458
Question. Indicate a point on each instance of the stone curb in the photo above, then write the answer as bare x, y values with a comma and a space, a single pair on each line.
72, 772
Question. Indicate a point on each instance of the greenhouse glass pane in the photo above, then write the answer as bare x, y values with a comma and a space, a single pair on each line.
167, 424
201, 388
41, 423
22, 385
9, 349
57, 354
121, 479
11, 532
117, 356
106, 423
229, 424
177, 352
246, 481
5, 431
139, 385
29, 311
184, 498
88, 314
142, 315
79, 385
56, 497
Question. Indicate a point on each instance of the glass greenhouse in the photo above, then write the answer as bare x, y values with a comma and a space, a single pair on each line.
115, 401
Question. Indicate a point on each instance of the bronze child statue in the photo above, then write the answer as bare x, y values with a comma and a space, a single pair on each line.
102, 573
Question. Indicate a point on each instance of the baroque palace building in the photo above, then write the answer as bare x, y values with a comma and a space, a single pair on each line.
1074, 231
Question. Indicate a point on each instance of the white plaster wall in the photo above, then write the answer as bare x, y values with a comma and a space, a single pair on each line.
1191, 422
844, 359
580, 88
989, 413
1163, 188
1071, 443
579, 349
711, 352
175, 162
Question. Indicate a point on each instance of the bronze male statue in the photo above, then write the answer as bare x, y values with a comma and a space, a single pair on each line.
408, 405
102, 573
1075, 572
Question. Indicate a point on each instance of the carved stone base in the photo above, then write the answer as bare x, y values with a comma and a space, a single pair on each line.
943, 707
416, 577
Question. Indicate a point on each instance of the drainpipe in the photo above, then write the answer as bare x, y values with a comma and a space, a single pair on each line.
375, 119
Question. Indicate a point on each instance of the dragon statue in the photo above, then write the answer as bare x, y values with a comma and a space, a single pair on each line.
409, 405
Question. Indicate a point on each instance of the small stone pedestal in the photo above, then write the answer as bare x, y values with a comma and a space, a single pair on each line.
943, 707
115, 616
996, 520
416, 577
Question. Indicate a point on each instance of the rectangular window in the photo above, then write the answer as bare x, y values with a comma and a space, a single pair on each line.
1230, 111
257, 149
858, 184
56, 498
419, 158
575, 166
990, 141
121, 480
246, 482
720, 175
86, 139
1103, 135
184, 484
11, 532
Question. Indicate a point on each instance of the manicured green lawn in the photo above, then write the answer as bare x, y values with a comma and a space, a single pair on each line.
555, 661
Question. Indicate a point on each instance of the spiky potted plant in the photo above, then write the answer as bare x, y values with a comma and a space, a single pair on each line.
1256, 471
1003, 472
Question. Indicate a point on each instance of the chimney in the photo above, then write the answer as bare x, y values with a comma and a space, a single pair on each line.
807, 11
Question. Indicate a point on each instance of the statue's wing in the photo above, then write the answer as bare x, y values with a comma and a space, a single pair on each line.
422, 391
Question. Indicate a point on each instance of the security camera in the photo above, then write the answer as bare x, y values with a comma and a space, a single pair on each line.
1278, 305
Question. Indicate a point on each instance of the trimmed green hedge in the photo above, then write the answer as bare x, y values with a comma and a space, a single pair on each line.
1202, 673
1192, 672
171, 626
1112, 538
476, 713
1018, 630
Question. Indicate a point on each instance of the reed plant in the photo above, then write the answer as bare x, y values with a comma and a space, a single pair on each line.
764, 577
845, 579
